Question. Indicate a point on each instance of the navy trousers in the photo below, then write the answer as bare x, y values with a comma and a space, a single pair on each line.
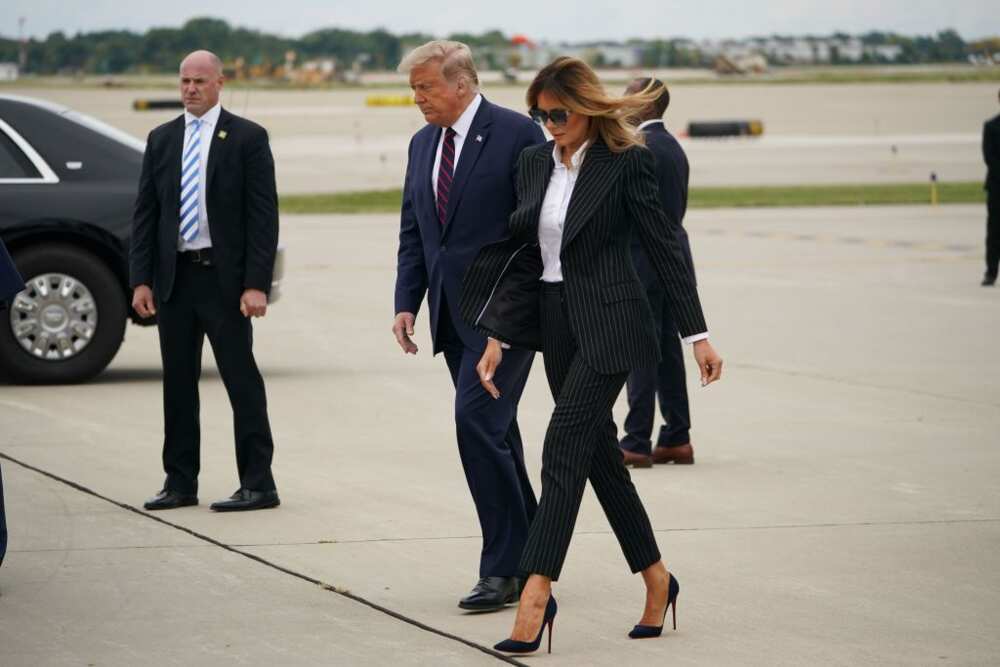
665, 381
489, 444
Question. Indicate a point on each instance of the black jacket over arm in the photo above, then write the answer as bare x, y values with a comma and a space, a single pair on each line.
242, 204
615, 195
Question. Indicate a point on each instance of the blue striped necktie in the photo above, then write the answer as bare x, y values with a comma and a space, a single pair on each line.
190, 182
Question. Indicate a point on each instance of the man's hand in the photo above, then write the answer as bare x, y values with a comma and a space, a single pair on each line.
142, 301
487, 366
253, 303
709, 362
402, 328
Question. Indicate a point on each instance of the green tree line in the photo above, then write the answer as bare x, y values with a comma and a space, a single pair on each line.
159, 50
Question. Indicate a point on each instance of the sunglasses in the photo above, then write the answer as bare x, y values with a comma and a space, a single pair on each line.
557, 116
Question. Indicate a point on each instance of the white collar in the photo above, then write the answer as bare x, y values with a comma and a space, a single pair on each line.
464, 122
577, 158
210, 117
647, 123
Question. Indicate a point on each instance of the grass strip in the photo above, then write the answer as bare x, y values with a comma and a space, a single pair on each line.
968, 192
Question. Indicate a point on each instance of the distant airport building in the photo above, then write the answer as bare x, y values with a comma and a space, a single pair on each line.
9, 71
598, 54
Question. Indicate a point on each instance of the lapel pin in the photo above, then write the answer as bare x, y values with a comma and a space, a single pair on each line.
222, 134
479, 138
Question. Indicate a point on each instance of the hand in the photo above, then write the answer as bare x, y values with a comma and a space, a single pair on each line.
253, 303
487, 366
402, 329
142, 301
709, 362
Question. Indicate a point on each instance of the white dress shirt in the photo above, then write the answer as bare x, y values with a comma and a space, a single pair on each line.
554, 207
207, 129
553, 217
461, 127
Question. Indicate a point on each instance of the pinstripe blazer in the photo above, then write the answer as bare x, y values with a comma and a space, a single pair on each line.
615, 195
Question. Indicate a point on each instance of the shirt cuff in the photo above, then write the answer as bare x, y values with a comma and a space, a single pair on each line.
503, 345
689, 340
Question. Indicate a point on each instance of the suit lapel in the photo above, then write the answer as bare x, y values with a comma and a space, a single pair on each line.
426, 185
599, 172
217, 146
174, 150
472, 148
525, 223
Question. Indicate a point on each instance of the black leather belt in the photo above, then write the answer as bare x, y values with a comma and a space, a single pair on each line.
202, 257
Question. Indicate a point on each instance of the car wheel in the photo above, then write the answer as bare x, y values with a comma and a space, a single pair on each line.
69, 322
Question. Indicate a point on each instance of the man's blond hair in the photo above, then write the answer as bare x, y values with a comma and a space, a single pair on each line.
455, 58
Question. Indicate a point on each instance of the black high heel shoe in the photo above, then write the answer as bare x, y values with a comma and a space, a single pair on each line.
648, 631
514, 646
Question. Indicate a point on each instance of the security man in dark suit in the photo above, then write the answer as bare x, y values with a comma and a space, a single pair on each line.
667, 379
458, 195
10, 284
204, 241
991, 154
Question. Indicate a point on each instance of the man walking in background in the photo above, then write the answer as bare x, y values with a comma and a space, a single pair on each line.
991, 154
457, 196
666, 380
204, 241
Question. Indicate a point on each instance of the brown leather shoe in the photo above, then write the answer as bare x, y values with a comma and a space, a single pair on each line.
680, 455
637, 460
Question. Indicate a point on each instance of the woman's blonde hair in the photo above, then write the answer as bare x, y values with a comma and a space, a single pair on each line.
574, 84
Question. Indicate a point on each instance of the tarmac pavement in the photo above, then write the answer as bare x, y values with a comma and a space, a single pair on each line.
843, 509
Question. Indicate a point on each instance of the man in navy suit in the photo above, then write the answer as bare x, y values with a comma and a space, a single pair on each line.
666, 380
458, 194
10, 285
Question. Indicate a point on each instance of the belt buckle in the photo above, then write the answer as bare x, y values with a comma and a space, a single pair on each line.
202, 258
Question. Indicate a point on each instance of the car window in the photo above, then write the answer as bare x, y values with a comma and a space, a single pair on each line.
13, 162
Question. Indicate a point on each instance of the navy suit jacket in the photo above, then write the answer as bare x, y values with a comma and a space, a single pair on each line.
433, 257
672, 177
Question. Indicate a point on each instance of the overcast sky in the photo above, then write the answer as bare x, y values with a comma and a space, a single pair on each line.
563, 20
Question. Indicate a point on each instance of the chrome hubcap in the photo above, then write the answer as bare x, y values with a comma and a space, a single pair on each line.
54, 318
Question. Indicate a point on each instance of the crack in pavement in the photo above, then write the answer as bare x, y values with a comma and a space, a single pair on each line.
445, 538
693, 529
293, 573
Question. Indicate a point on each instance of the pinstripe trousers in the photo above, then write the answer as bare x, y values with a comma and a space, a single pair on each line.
581, 444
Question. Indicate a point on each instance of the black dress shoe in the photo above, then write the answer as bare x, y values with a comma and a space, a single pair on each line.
492, 594
989, 279
245, 499
168, 500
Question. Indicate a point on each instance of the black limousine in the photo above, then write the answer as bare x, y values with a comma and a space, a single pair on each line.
67, 189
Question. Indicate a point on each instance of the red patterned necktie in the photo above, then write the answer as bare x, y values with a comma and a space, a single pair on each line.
445, 173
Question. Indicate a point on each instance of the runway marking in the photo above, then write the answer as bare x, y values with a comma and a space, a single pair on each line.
263, 561
924, 246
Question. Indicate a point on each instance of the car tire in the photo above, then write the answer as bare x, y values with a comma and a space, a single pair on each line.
105, 290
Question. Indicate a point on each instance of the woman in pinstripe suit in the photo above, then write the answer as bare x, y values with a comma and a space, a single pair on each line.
564, 282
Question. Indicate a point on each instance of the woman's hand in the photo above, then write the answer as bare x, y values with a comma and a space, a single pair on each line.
487, 366
709, 362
